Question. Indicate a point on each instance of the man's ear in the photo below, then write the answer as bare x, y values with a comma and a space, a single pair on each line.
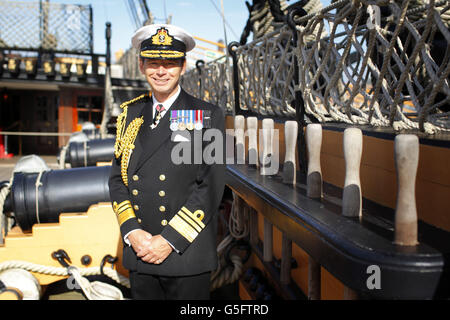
183, 67
141, 65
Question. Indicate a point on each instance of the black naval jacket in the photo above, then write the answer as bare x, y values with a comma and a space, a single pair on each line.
180, 202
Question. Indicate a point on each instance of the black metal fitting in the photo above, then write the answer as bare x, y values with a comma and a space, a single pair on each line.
293, 12
232, 51
86, 260
108, 258
108, 43
62, 257
298, 102
199, 65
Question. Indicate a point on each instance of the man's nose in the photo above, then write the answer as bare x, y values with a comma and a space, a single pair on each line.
161, 69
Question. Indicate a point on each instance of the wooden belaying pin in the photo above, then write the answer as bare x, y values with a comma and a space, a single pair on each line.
267, 142
406, 150
351, 197
252, 130
239, 129
290, 137
314, 173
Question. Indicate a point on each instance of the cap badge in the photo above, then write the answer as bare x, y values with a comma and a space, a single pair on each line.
162, 37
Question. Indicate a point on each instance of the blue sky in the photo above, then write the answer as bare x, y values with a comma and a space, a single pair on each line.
199, 17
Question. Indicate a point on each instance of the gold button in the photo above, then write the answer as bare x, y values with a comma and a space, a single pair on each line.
162, 177
162, 193
136, 207
164, 222
135, 178
135, 192
162, 208
139, 220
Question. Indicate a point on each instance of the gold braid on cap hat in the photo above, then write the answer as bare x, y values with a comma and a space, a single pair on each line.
125, 138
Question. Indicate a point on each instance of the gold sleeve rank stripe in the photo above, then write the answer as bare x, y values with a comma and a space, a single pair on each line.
124, 211
197, 216
190, 221
183, 228
123, 205
188, 224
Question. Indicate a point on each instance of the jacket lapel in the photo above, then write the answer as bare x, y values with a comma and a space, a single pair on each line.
153, 139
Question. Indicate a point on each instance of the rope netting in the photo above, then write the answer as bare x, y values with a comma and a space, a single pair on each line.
211, 82
50, 26
381, 63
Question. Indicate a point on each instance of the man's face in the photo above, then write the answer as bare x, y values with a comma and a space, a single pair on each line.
162, 75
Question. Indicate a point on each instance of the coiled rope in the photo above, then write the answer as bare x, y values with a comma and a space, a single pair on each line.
238, 228
95, 290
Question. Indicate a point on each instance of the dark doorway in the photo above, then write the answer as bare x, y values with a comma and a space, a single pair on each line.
30, 111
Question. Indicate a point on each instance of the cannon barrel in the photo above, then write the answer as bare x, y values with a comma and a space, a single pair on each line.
88, 153
69, 190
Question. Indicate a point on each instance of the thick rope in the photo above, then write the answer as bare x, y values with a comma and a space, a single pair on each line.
60, 271
238, 227
95, 290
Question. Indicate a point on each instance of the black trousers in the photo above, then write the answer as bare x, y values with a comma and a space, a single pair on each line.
152, 287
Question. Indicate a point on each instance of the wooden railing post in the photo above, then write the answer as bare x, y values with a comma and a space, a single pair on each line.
286, 260
314, 282
253, 225
268, 241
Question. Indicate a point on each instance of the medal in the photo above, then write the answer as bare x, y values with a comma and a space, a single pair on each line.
173, 121
198, 126
198, 119
181, 119
190, 124
174, 126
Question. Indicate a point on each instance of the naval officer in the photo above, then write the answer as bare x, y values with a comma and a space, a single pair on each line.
167, 210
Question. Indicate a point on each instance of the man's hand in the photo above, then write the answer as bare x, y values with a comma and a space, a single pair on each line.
158, 250
140, 241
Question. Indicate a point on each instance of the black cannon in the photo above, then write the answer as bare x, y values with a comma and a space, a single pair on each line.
88, 153
41, 197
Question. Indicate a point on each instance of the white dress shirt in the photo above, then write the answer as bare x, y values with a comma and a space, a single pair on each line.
167, 104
